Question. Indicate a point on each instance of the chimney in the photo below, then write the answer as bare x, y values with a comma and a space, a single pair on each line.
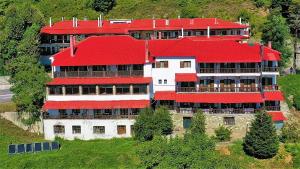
240, 21
167, 22
50, 22
72, 45
178, 16
76, 22
73, 21
270, 44
100, 21
147, 51
62, 18
208, 32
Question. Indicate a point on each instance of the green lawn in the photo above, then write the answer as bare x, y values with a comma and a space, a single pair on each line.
290, 85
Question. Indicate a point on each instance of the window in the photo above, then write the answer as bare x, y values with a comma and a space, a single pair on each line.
59, 129
99, 68
137, 67
161, 64
55, 90
165, 81
229, 121
72, 90
76, 129
122, 89
159, 81
140, 89
88, 89
185, 64
107, 89
121, 129
99, 129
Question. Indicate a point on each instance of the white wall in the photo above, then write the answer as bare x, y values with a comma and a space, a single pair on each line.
87, 128
169, 73
97, 97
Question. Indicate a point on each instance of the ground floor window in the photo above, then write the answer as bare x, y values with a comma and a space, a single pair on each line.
99, 129
229, 121
59, 129
76, 129
121, 129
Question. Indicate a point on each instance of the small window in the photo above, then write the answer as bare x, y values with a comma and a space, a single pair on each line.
165, 81
159, 81
76, 129
72, 90
121, 129
55, 90
59, 129
122, 89
99, 129
88, 89
229, 121
162, 64
140, 89
185, 64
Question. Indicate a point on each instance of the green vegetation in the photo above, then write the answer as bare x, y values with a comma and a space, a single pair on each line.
261, 141
223, 133
7, 107
198, 123
290, 133
290, 86
294, 149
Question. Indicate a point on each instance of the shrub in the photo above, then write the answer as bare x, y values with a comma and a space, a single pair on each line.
150, 123
261, 141
198, 123
291, 131
223, 133
103, 5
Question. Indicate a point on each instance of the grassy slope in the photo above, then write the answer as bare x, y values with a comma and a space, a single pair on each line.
117, 153
290, 85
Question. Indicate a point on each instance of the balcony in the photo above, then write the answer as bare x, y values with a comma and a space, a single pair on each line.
272, 108
133, 73
270, 69
219, 111
217, 89
270, 88
85, 116
229, 70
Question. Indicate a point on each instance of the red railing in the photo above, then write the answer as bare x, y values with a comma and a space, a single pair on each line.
99, 73
81, 116
217, 89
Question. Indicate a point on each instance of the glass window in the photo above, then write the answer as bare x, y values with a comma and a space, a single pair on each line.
88, 89
140, 89
72, 90
55, 90
162, 64
185, 64
59, 129
99, 129
121, 129
122, 89
229, 121
76, 129
106, 89
165, 81
99, 68
159, 81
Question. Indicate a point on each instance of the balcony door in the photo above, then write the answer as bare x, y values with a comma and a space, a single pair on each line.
227, 85
207, 85
247, 85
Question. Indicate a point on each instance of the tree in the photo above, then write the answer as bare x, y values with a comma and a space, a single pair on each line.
291, 131
103, 5
29, 45
261, 141
283, 5
223, 133
277, 31
198, 123
150, 123
294, 21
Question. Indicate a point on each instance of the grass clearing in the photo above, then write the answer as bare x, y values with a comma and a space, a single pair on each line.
290, 85
7, 107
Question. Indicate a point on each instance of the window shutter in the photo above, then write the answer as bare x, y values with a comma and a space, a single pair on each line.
181, 64
165, 64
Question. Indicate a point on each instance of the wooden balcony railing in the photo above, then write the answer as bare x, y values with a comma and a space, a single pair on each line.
229, 70
271, 69
217, 89
270, 87
99, 73
272, 108
219, 111
81, 116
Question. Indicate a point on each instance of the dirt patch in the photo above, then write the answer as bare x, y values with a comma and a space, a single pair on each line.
224, 150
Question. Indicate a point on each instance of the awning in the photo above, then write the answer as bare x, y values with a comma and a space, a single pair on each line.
185, 77
165, 95
120, 104
273, 96
277, 116
91, 81
220, 98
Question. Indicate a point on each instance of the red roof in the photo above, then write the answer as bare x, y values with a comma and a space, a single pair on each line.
185, 77
165, 95
277, 116
217, 38
273, 96
121, 104
103, 50
91, 26
90, 81
271, 54
220, 98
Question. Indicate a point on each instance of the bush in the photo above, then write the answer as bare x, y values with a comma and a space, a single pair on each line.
150, 123
223, 133
261, 141
198, 123
103, 5
291, 132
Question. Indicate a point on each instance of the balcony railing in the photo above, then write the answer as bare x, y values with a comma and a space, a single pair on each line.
271, 69
229, 70
272, 108
81, 116
99, 73
270, 87
217, 89
219, 111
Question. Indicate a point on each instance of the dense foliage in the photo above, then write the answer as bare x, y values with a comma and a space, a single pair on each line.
291, 131
223, 133
103, 5
198, 123
261, 141
150, 123
291, 88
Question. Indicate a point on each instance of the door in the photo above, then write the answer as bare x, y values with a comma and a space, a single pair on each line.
187, 121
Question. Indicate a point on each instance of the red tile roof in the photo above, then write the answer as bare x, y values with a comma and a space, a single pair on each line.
185, 77
91, 27
165, 95
220, 98
104, 50
273, 96
90, 81
277, 116
121, 104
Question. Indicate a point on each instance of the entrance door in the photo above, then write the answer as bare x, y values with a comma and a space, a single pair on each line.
187, 121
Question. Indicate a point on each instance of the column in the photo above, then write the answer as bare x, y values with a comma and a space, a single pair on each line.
148, 89
47, 91
114, 90
64, 90
97, 90
80, 90
131, 89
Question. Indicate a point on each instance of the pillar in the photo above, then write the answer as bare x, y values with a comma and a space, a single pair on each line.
131, 89
148, 89
114, 90
64, 90
97, 90
80, 90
